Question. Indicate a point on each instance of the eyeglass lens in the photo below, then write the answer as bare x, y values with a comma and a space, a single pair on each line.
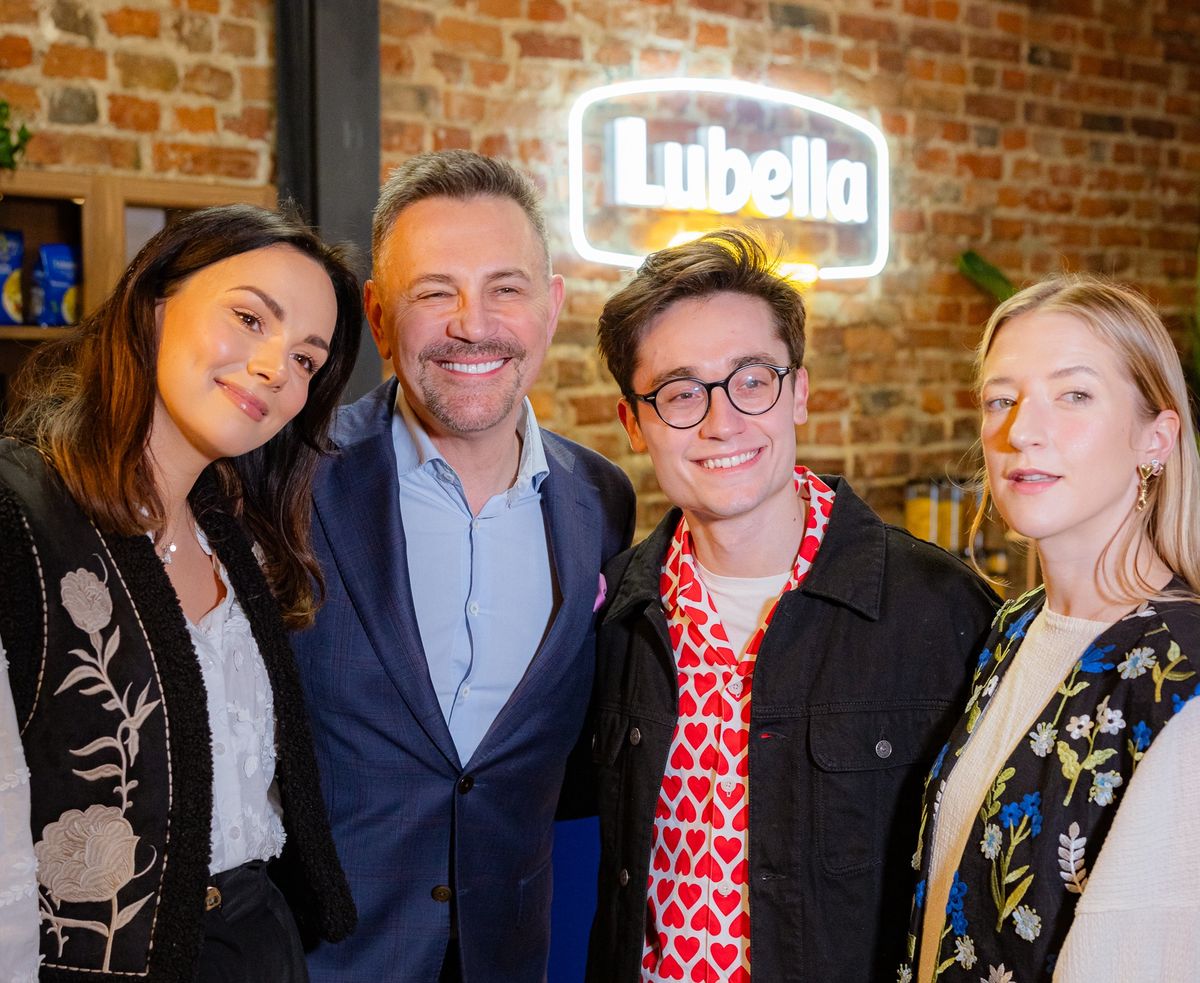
752, 390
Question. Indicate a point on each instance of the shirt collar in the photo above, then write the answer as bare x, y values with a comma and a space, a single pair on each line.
415, 449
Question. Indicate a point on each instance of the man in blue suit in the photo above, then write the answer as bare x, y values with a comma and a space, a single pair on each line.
449, 670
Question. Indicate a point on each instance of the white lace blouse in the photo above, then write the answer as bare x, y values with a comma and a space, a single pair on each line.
247, 819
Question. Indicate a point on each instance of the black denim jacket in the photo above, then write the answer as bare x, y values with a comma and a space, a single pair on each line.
858, 681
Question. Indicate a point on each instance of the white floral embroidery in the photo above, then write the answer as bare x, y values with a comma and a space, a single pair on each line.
87, 600
904, 975
1041, 740
1103, 785
1028, 922
992, 683
991, 842
1113, 721
965, 954
1138, 662
1080, 728
998, 974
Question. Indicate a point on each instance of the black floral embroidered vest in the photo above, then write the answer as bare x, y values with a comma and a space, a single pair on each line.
114, 723
1048, 810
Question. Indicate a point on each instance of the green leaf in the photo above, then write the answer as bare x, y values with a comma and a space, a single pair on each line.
1097, 757
1069, 759
1016, 874
1014, 899
985, 276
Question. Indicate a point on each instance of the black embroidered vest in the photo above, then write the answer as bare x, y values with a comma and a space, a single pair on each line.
116, 736
1047, 812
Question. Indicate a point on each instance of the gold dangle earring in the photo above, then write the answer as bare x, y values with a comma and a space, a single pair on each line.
1145, 473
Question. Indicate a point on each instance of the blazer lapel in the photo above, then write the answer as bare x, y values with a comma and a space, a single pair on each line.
357, 503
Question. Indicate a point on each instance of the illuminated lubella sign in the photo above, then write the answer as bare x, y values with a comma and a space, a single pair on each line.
802, 183
790, 176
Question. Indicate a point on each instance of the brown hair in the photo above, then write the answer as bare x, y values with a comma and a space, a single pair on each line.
1125, 321
728, 260
459, 174
87, 401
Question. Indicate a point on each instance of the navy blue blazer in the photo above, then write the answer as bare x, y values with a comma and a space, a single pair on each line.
409, 819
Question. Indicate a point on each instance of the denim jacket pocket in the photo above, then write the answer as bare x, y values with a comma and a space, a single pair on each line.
870, 766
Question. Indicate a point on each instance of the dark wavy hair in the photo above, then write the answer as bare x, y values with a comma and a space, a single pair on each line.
87, 401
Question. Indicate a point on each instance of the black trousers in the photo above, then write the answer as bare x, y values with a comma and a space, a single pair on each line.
252, 936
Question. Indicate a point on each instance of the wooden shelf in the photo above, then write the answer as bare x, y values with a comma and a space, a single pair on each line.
31, 332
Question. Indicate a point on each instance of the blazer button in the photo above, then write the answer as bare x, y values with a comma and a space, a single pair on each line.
635, 736
441, 893
623, 877
465, 784
884, 749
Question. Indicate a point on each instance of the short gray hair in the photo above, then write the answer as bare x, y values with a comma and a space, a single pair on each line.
460, 174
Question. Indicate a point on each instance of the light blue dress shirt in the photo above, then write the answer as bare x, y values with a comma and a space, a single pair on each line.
482, 585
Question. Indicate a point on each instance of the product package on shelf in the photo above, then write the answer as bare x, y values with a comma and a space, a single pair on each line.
54, 299
12, 255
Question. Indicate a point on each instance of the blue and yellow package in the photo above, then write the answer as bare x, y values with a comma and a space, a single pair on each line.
54, 299
12, 255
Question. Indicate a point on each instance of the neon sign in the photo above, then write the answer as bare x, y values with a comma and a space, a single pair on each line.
821, 166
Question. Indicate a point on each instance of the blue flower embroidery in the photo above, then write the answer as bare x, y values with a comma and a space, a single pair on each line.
1031, 806
1141, 736
921, 894
937, 765
954, 906
1017, 628
1093, 659
983, 659
1178, 703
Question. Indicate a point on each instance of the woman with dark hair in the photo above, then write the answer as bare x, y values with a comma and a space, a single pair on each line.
1060, 837
154, 508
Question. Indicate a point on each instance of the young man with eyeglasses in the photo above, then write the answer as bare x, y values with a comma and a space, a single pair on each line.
777, 666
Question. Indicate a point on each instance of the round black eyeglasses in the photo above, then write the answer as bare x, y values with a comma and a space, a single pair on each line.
752, 389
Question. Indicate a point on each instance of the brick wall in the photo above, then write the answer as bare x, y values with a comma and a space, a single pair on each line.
1047, 134
162, 88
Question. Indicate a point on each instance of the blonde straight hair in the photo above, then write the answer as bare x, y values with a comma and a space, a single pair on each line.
1129, 325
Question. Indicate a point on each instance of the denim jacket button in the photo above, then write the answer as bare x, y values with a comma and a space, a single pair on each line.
623, 877
635, 736
884, 749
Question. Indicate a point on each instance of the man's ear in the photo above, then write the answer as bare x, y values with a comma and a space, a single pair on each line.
800, 397
373, 305
557, 290
629, 420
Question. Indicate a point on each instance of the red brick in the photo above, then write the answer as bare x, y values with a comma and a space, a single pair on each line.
196, 119
18, 12
945, 10
451, 138
82, 150
399, 21
867, 28
994, 48
15, 51
496, 145
535, 44
237, 39
399, 136
253, 122
1010, 21
712, 35
500, 8
131, 113
546, 10
463, 107
208, 80
936, 39
485, 74
652, 62
989, 166
451, 67
470, 36
72, 61
146, 71
1009, 229
204, 161
257, 83
957, 224
395, 59
20, 96
1001, 108
133, 22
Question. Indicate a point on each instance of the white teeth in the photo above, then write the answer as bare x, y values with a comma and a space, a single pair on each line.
474, 368
1035, 477
713, 463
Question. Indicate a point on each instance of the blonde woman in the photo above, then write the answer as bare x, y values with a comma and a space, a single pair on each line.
1061, 826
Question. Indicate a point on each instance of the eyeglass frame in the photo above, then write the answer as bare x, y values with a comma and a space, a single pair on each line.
781, 373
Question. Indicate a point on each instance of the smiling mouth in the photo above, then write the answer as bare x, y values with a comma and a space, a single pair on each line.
722, 463
1032, 478
472, 368
252, 406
